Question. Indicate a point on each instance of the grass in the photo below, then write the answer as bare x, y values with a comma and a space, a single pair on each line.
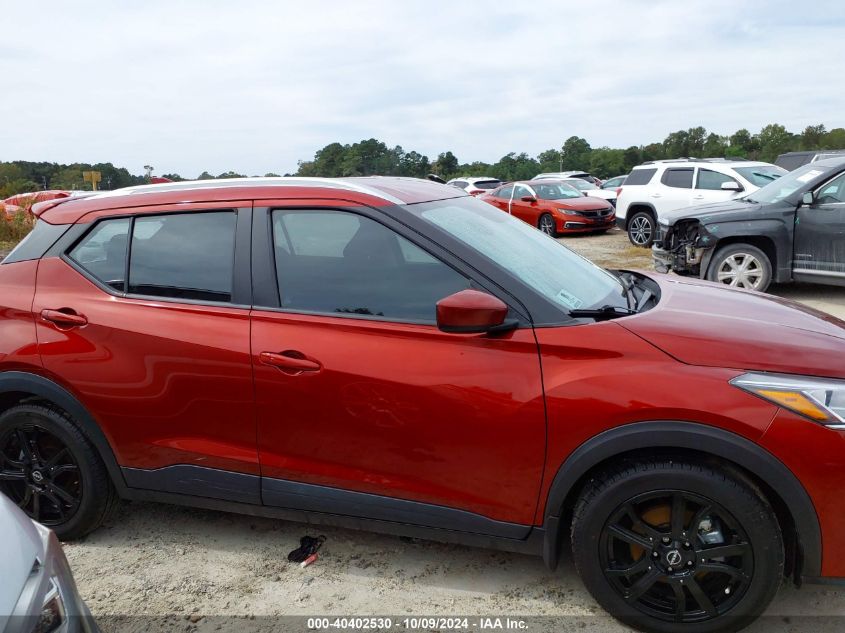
14, 228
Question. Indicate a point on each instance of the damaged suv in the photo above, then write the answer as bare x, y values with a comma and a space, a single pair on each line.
793, 229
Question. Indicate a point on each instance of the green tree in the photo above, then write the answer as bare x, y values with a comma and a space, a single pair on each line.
715, 146
205, 176
576, 153
446, 165
813, 136
774, 139
835, 139
677, 145
606, 162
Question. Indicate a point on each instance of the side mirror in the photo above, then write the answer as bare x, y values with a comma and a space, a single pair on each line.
528, 199
807, 198
470, 312
731, 185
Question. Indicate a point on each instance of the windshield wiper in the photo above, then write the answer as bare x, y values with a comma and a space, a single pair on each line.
604, 313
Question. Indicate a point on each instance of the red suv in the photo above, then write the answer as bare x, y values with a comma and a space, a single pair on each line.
396, 355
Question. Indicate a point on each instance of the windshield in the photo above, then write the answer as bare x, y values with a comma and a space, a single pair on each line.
539, 261
786, 185
558, 191
762, 175
583, 185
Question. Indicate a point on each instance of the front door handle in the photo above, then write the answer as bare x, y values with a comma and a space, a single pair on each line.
64, 318
290, 361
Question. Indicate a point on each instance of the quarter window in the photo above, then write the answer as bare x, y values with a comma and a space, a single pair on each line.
679, 178
185, 256
335, 262
102, 252
640, 176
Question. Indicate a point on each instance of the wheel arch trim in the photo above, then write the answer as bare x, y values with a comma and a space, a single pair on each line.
37, 385
669, 434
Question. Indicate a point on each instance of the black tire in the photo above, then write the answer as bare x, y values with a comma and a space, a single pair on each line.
76, 494
641, 229
546, 223
722, 268
739, 584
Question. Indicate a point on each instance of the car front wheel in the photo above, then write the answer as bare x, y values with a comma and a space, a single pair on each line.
741, 266
546, 224
673, 547
641, 228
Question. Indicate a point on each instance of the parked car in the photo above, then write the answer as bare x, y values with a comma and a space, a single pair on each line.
790, 230
475, 186
589, 189
37, 591
657, 187
32, 197
394, 354
794, 160
614, 183
552, 206
560, 175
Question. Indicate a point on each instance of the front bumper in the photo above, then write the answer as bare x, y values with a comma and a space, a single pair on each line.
663, 260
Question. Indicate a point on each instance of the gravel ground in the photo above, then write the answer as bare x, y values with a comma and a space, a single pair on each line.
196, 566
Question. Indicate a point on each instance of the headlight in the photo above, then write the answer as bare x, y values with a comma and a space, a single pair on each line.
566, 211
818, 399
53, 613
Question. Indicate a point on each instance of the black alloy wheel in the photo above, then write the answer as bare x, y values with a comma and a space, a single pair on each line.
655, 553
52, 471
40, 474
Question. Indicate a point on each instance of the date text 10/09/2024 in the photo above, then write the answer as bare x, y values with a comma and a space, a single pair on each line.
417, 623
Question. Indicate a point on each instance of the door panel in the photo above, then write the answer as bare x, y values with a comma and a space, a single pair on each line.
166, 372
820, 232
675, 191
377, 401
404, 411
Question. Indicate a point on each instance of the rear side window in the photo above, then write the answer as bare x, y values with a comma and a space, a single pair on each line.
712, 180
102, 252
640, 176
505, 192
184, 256
680, 178
335, 262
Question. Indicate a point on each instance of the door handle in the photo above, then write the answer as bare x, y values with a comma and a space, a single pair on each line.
290, 361
65, 317
656, 195
698, 197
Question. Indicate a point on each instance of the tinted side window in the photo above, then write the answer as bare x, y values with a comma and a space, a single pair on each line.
640, 176
712, 180
833, 192
681, 178
102, 252
333, 262
185, 256
505, 192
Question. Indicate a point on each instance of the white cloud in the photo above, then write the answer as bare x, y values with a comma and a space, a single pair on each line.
253, 86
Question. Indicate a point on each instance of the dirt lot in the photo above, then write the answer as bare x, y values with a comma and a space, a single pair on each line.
198, 565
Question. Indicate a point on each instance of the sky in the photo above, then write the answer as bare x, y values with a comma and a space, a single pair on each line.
254, 87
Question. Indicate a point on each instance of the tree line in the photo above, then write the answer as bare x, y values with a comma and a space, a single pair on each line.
373, 157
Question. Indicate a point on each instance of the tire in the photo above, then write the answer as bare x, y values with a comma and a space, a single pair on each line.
641, 228
546, 224
621, 523
757, 271
59, 478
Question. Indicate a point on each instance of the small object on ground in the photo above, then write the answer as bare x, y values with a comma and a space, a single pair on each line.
309, 560
308, 546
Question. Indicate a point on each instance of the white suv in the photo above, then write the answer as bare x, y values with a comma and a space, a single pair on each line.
475, 186
654, 188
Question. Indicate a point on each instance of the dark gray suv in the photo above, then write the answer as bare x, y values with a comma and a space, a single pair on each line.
793, 229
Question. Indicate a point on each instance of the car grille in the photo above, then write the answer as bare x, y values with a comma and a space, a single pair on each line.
600, 213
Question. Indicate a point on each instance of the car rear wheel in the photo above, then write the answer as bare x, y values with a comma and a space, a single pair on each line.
741, 266
641, 228
676, 547
546, 224
53, 473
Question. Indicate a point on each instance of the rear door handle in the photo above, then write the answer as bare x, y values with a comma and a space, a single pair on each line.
64, 317
656, 195
290, 361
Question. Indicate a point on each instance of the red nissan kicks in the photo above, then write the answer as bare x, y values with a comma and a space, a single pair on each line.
395, 355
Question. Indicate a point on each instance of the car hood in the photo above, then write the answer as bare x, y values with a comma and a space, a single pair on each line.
581, 204
708, 213
20, 545
603, 194
709, 324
